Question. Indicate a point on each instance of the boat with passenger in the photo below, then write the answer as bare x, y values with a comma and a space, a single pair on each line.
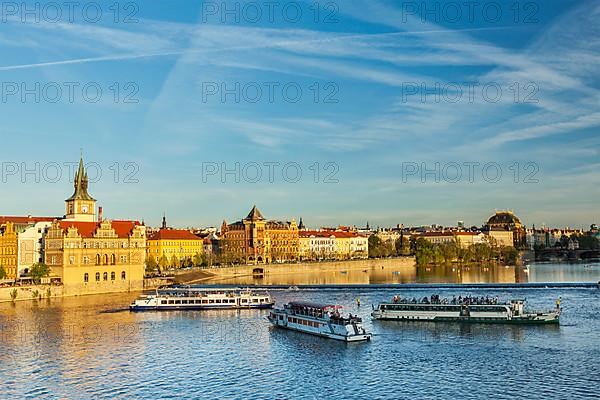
325, 320
464, 309
192, 298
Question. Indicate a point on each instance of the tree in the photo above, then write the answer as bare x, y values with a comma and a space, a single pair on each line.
174, 261
3, 274
198, 260
38, 271
151, 264
448, 251
424, 251
163, 262
510, 255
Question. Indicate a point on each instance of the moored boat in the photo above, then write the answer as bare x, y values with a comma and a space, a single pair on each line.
471, 310
190, 298
319, 319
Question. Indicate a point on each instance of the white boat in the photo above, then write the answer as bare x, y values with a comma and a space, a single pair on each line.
321, 320
473, 311
189, 298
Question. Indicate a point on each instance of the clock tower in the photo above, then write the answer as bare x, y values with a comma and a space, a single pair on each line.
81, 206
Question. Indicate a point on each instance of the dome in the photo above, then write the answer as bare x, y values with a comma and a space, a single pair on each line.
504, 218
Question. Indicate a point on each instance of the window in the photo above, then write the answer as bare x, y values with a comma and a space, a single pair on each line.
113, 259
86, 259
112, 276
105, 276
86, 277
123, 275
105, 259
97, 276
123, 259
71, 260
97, 259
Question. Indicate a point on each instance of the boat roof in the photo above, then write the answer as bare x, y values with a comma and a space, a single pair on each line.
305, 304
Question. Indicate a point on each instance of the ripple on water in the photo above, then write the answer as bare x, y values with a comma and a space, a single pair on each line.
73, 350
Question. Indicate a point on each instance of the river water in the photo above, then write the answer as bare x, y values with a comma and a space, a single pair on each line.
92, 347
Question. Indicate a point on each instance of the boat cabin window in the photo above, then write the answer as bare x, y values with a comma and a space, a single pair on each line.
205, 301
171, 301
177, 301
211, 301
163, 302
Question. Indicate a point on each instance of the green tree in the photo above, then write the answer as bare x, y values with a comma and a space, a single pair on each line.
424, 251
448, 251
38, 271
163, 262
481, 252
198, 260
151, 264
510, 255
174, 262
3, 274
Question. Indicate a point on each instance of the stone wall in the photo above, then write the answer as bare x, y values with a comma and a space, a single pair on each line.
27, 292
312, 266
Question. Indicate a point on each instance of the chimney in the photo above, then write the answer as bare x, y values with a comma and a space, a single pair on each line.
100, 214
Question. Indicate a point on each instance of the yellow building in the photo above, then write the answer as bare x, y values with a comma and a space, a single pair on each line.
332, 245
9, 249
173, 246
254, 240
90, 256
502, 238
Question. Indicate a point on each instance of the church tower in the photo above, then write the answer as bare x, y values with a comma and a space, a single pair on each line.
81, 206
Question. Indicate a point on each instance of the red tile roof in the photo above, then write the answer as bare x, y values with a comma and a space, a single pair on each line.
123, 229
173, 234
25, 220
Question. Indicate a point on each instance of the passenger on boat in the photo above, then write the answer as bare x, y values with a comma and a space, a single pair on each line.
558, 303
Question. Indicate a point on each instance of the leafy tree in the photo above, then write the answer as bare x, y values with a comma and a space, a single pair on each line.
481, 252
3, 274
424, 251
510, 255
198, 260
38, 271
174, 261
163, 262
151, 264
448, 251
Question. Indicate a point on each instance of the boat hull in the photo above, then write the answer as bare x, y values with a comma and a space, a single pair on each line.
348, 339
474, 320
137, 308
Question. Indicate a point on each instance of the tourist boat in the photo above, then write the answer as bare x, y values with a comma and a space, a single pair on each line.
190, 298
321, 320
469, 310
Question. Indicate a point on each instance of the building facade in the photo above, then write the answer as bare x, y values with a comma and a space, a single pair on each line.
90, 256
9, 250
173, 247
332, 245
254, 240
508, 221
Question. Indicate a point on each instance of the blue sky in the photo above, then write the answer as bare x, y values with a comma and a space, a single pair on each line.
369, 62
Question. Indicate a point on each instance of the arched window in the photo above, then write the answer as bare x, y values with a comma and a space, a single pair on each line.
97, 259
123, 275
97, 276
113, 259
86, 277
112, 276
106, 259
105, 276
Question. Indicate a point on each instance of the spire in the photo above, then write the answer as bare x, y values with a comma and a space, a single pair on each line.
164, 221
255, 214
301, 225
80, 184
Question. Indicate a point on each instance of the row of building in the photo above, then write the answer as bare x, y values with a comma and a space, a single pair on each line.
88, 253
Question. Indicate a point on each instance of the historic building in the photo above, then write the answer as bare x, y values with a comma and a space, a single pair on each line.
21, 239
94, 256
332, 245
9, 250
508, 221
254, 240
173, 247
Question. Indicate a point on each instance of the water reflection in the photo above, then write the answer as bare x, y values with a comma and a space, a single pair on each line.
543, 272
